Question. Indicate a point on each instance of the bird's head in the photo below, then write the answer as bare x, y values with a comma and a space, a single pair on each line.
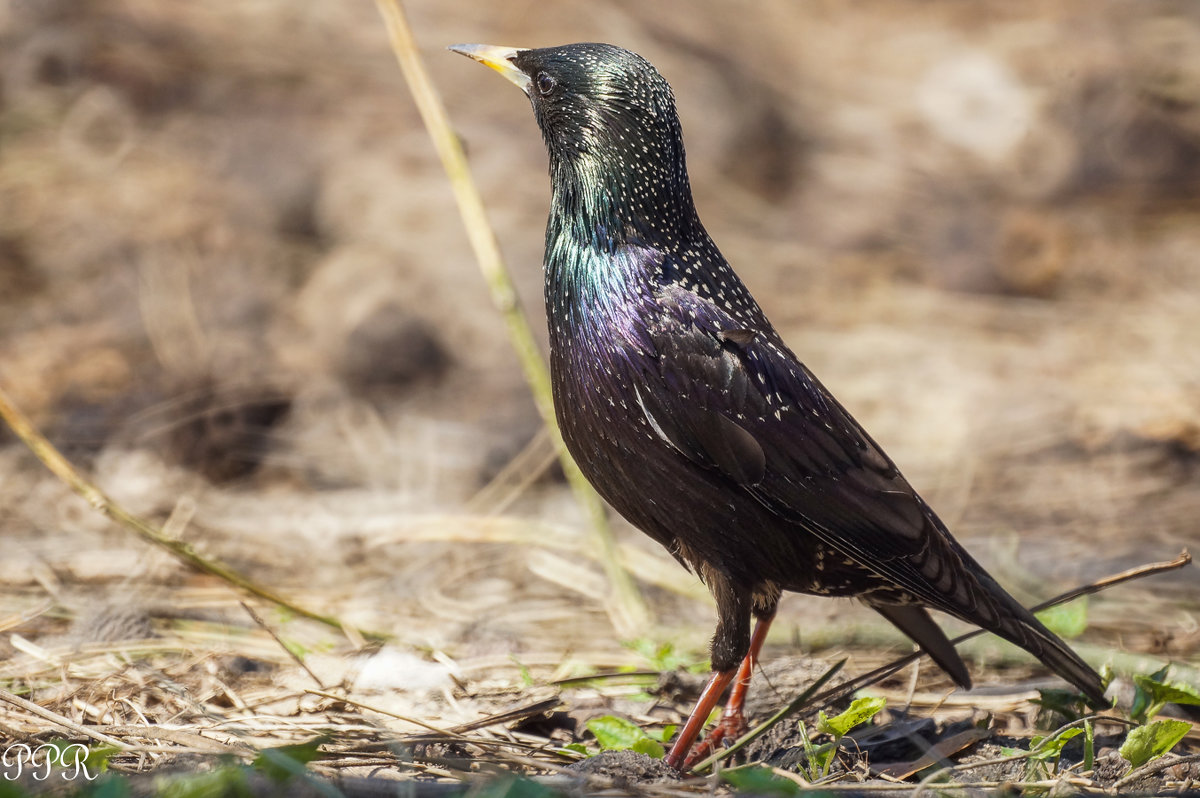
609, 121
590, 99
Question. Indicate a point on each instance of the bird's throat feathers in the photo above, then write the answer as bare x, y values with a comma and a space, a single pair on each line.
600, 208
602, 204
601, 261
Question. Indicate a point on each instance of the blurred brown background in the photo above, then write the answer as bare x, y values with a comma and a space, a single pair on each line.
233, 284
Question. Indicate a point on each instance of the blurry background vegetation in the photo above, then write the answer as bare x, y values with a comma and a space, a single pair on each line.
233, 285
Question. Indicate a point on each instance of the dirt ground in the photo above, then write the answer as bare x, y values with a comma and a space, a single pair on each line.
235, 292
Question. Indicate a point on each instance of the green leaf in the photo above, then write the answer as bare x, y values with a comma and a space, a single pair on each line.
1161, 691
616, 734
228, 780
1066, 620
660, 656
759, 780
1089, 746
108, 786
1154, 691
287, 761
1141, 698
578, 748
664, 734
860, 711
519, 787
512, 787
1147, 743
98, 756
651, 748
526, 676
1044, 749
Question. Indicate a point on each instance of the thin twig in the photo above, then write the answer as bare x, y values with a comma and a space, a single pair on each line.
1150, 569
62, 468
389, 713
295, 657
626, 608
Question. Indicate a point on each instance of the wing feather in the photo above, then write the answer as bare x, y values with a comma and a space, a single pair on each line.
757, 415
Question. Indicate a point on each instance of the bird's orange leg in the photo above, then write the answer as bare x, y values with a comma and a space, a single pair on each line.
733, 719
695, 722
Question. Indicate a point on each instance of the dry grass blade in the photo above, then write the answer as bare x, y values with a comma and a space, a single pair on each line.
512, 715
455, 732
254, 616
626, 608
390, 714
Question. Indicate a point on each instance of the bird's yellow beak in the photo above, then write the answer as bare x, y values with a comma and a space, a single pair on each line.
499, 59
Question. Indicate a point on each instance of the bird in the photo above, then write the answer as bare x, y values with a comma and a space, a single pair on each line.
691, 417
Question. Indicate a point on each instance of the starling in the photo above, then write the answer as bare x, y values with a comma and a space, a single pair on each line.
689, 414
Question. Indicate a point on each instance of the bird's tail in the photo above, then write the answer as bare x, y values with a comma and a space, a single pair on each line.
1009, 620
993, 608
1018, 625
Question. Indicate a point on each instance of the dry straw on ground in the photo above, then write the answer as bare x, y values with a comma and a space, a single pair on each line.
216, 215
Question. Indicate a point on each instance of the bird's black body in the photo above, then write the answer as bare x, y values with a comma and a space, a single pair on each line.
689, 414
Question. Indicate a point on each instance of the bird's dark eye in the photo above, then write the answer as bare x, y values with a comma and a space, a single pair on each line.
545, 83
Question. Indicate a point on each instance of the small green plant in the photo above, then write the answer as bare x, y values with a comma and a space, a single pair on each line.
287, 761
1154, 691
229, 779
1149, 740
514, 787
819, 758
526, 676
1043, 760
1153, 738
286, 765
1147, 743
619, 734
663, 656
759, 780
1045, 752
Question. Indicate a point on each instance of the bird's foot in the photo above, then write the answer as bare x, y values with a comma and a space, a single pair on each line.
731, 726
733, 720
678, 757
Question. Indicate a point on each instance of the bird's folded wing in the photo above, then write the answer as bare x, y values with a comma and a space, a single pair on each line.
738, 401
